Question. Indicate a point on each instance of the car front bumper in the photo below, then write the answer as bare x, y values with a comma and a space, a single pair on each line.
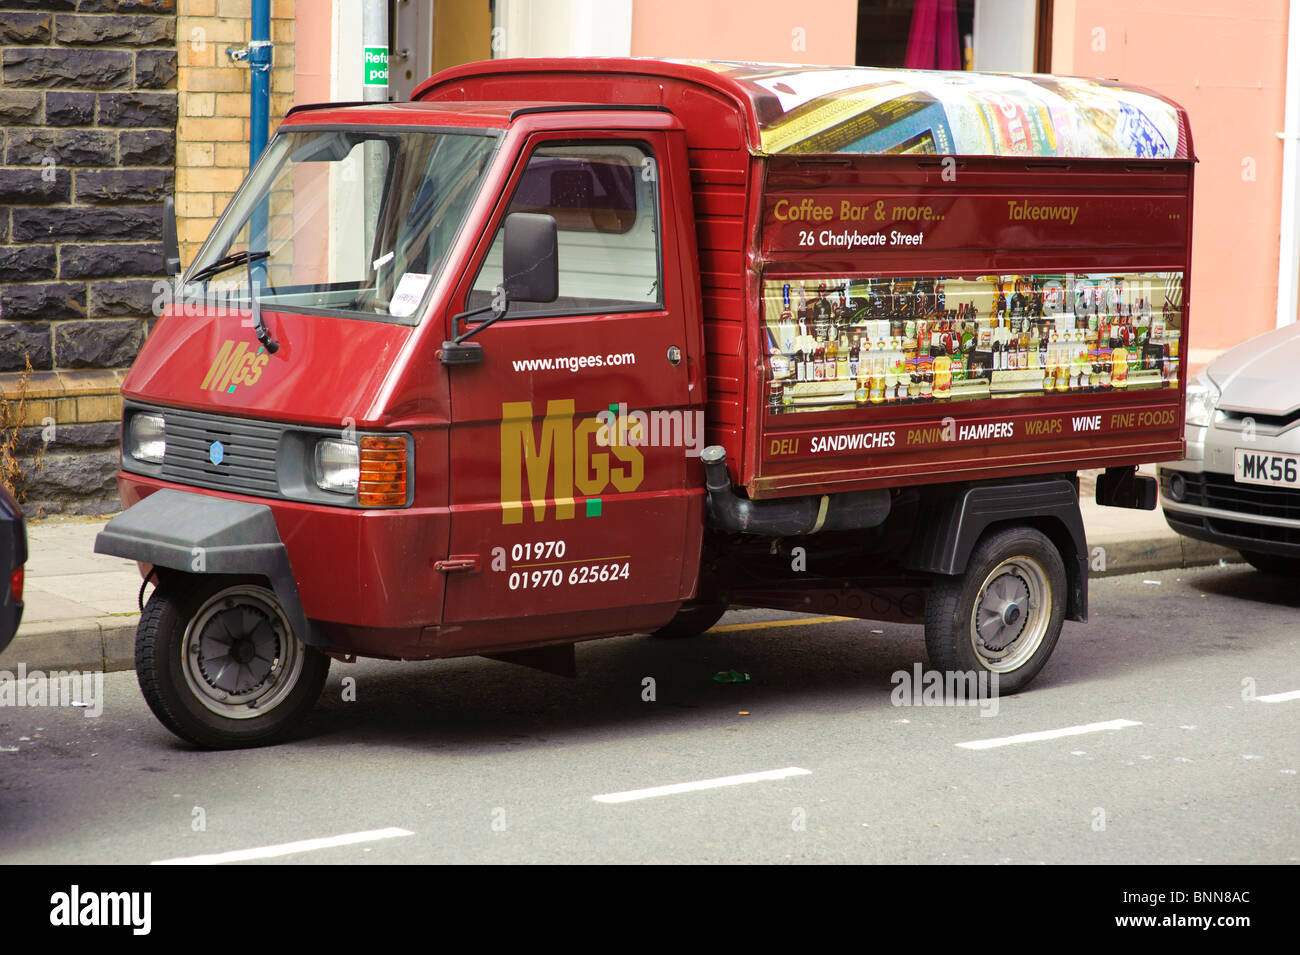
1202, 499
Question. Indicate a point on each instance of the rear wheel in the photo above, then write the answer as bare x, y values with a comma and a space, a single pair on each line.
1004, 614
1273, 564
219, 664
691, 621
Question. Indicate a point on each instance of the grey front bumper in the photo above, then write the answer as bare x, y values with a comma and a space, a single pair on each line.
200, 534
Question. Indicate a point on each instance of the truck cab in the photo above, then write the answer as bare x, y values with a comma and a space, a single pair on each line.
498, 370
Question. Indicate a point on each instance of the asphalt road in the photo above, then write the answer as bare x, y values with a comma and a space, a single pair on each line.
479, 761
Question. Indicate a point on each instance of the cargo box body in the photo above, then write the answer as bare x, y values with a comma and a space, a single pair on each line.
799, 196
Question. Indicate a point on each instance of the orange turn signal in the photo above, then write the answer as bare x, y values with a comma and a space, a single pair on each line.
382, 481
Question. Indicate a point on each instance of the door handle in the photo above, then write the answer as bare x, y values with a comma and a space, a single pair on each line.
457, 563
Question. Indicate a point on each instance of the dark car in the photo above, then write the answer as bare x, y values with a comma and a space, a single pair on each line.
13, 554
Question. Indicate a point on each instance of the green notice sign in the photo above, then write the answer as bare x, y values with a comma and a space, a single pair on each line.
376, 64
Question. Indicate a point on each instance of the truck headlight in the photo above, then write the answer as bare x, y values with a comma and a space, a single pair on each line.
371, 467
1202, 400
146, 438
337, 466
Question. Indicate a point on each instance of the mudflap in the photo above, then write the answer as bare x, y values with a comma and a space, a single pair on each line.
198, 534
962, 514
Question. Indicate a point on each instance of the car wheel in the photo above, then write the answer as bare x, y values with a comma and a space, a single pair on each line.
1004, 614
219, 664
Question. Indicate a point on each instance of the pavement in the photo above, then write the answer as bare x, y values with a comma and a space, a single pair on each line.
81, 607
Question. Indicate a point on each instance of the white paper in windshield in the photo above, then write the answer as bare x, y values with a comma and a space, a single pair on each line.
410, 291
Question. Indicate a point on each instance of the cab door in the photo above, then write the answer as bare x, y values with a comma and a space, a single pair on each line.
574, 440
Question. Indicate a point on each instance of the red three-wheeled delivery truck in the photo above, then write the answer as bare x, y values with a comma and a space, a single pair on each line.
563, 349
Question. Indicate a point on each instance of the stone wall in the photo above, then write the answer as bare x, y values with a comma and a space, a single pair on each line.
88, 110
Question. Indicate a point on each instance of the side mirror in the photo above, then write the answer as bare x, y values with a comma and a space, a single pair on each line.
171, 246
530, 258
530, 273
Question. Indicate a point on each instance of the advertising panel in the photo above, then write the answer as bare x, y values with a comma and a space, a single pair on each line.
864, 342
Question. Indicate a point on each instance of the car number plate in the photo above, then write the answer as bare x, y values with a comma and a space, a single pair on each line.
1262, 467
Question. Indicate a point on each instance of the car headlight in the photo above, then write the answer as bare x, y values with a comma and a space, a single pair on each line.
337, 466
1202, 400
146, 438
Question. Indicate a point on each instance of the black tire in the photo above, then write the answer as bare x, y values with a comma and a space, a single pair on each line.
186, 623
1273, 564
1014, 567
691, 621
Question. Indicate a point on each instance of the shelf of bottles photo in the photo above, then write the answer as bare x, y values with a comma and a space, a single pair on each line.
836, 342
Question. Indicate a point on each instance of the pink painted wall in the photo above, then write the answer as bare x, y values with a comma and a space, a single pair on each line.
759, 30
1226, 64
313, 38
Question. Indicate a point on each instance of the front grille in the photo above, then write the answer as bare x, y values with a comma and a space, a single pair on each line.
1222, 492
249, 452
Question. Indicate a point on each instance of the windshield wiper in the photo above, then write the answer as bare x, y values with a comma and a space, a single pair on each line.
228, 262
259, 324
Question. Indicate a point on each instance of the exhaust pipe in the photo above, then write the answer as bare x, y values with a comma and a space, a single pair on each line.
789, 516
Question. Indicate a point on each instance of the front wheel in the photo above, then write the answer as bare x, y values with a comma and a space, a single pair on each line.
1004, 614
219, 664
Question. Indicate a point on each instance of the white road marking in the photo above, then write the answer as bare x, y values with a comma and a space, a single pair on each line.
287, 848
1280, 697
1048, 734
675, 788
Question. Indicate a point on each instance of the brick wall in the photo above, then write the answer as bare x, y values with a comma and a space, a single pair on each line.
212, 135
88, 110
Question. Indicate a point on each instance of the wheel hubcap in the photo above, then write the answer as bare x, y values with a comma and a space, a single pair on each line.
1011, 614
240, 656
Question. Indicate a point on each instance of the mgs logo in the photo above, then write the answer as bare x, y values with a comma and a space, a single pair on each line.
235, 364
565, 460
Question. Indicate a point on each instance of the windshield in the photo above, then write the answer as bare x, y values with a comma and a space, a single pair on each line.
346, 221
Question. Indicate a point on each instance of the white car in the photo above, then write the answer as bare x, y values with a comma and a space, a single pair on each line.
1239, 485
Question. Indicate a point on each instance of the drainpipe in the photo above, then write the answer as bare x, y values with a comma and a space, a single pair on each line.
1288, 265
258, 54
259, 63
